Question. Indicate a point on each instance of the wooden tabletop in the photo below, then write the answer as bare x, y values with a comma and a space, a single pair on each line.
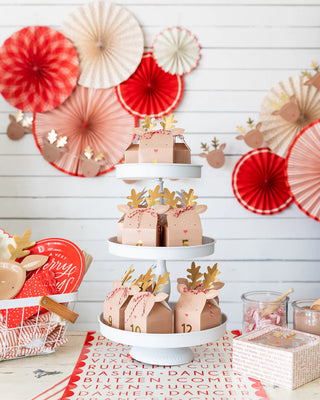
26, 378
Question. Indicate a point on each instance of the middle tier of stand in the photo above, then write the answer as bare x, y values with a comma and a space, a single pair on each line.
157, 170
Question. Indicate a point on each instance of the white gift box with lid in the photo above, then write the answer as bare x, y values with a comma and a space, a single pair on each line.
278, 355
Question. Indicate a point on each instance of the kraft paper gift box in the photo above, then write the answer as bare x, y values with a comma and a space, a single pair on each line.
181, 153
131, 154
198, 308
279, 356
148, 312
117, 301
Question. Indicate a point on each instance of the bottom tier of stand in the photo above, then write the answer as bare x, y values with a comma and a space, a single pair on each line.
163, 349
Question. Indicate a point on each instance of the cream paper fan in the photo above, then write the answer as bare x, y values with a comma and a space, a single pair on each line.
176, 51
277, 130
109, 42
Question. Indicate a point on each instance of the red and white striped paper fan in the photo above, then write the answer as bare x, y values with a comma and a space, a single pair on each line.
259, 182
303, 170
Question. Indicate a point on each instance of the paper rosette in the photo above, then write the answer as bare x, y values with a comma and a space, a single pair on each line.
109, 42
176, 51
259, 182
279, 133
91, 117
303, 170
39, 69
150, 91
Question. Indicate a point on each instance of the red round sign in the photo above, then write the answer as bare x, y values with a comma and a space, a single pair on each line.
65, 260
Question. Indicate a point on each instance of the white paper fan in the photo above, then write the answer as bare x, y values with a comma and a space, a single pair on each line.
109, 43
278, 131
176, 51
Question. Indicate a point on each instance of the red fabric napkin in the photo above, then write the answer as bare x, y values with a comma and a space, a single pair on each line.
41, 284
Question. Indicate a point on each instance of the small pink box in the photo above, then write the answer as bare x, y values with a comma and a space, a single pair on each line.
277, 355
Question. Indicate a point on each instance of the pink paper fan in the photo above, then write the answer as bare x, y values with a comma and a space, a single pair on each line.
303, 170
89, 117
39, 69
150, 90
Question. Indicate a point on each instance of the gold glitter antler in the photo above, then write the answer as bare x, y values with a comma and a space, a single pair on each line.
315, 66
153, 196
189, 198
148, 123
250, 123
195, 276
127, 276
88, 152
147, 280
210, 277
52, 136
215, 142
204, 147
62, 141
162, 280
22, 243
169, 198
136, 199
168, 122
241, 129
99, 156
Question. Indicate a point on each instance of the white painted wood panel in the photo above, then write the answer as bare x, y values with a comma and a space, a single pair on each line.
247, 46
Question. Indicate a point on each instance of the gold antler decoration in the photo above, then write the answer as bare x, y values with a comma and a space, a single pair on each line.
127, 276
99, 156
153, 196
284, 97
241, 129
250, 123
195, 276
148, 123
135, 198
162, 280
204, 147
215, 142
88, 152
22, 243
210, 277
168, 122
189, 198
315, 66
147, 280
169, 198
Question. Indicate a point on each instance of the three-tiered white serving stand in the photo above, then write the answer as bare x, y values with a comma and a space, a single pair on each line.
152, 348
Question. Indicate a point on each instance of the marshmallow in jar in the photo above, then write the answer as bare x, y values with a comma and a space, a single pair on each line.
254, 304
306, 319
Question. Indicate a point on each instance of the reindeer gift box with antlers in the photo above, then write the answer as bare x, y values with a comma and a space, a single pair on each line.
147, 311
158, 145
140, 225
198, 305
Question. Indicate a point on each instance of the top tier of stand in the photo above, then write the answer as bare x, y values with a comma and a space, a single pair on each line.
155, 171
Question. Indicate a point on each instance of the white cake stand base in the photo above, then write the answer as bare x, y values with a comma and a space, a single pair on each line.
165, 348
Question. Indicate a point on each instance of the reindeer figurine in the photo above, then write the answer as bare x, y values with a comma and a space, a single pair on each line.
156, 146
19, 125
141, 225
117, 301
289, 111
13, 273
215, 158
183, 225
198, 306
254, 137
147, 311
53, 146
315, 79
90, 165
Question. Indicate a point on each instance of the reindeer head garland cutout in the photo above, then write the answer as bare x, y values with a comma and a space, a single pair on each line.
141, 225
254, 137
54, 146
12, 273
215, 158
287, 108
19, 125
117, 301
91, 165
198, 306
183, 225
156, 146
147, 310
315, 79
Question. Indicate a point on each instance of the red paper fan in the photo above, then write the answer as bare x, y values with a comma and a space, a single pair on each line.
303, 170
89, 117
259, 182
38, 67
150, 90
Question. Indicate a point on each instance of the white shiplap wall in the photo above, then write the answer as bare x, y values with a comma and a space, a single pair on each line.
247, 46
